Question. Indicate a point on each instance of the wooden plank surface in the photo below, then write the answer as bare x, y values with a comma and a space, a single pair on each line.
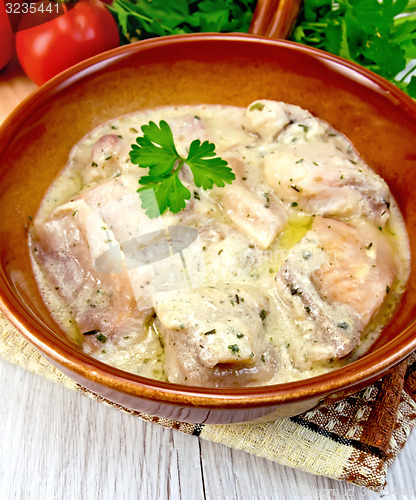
57, 444
14, 86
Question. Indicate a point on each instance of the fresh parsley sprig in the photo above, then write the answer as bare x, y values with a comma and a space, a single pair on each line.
139, 19
162, 188
377, 34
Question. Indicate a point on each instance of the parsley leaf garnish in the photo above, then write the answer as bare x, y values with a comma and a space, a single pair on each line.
162, 189
207, 168
156, 149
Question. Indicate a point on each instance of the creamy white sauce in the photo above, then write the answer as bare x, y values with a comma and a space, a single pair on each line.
277, 344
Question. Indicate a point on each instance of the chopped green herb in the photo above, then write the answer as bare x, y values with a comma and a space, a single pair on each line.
294, 203
343, 325
296, 188
234, 348
211, 332
387, 289
263, 314
91, 332
240, 335
101, 338
259, 106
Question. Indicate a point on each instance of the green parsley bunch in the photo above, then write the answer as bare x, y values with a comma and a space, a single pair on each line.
140, 19
377, 34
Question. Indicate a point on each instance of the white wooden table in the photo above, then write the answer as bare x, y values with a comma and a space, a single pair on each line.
58, 444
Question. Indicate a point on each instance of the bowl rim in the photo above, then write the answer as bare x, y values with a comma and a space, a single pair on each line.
367, 368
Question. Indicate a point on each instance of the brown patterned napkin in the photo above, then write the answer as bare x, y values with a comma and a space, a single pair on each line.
355, 439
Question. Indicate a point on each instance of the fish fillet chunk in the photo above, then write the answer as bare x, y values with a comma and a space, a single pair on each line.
101, 301
261, 219
278, 121
326, 181
213, 337
334, 281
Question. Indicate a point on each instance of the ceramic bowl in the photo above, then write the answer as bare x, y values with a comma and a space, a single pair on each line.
192, 69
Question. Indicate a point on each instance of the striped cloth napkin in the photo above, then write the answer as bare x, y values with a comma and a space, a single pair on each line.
355, 439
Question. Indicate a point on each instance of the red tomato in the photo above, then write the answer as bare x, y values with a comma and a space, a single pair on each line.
6, 37
82, 32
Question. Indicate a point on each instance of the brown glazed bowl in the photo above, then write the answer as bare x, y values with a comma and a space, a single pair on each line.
192, 69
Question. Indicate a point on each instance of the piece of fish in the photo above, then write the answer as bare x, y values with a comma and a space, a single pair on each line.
98, 301
276, 120
321, 179
213, 337
259, 218
334, 281
107, 159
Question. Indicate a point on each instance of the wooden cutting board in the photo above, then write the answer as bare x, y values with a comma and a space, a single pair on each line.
14, 87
